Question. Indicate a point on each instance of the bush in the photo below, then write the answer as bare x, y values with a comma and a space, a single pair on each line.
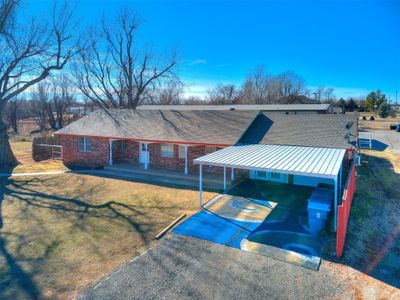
371, 118
384, 110
364, 118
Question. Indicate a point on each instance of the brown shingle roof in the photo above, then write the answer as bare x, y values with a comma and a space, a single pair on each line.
205, 127
313, 130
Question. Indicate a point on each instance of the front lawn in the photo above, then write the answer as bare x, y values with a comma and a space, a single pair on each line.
62, 233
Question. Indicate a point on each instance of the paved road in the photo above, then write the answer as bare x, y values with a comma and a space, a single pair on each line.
182, 267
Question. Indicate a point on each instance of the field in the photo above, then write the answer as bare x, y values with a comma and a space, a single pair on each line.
61, 233
378, 124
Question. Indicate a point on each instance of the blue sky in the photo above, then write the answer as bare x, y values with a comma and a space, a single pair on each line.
353, 46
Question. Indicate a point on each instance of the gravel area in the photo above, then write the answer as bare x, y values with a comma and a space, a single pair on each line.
182, 267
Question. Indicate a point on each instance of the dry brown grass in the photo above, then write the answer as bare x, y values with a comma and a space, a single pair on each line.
373, 236
62, 233
23, 152
378, 124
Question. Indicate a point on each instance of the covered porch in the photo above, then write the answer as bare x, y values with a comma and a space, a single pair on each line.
152, 174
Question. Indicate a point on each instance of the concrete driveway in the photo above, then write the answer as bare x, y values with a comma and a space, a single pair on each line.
181, 267
390, 138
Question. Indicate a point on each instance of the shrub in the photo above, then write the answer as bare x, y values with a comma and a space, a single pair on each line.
371, 118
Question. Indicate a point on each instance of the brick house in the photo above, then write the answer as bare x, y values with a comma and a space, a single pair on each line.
173, 139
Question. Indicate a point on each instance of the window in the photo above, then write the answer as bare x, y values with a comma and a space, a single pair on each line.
167, 150
182, 151
124, 145
275, 175
210, 149
261, 174
84, 144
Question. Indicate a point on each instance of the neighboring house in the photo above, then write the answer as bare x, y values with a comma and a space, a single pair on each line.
298, 99
315, 108
337, 110
173, 139
79, 110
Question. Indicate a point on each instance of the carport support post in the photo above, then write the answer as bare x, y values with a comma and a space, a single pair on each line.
186, 159
232, 174
201, 185
110, 161
224, 178
146, 162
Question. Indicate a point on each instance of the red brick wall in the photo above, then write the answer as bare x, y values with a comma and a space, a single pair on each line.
131, 154
176, 163
72, 158
99, 155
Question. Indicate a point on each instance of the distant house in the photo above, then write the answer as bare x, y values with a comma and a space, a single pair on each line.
298, 99
79, 110
270, 108
337, 110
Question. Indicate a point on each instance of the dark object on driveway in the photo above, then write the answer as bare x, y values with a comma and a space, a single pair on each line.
371, 118
393, 126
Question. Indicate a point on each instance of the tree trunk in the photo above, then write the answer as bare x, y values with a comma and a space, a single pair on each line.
7, 158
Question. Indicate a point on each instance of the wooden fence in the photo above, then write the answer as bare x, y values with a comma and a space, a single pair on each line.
344, 210
46, 147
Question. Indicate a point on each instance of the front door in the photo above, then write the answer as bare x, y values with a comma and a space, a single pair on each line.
143, 153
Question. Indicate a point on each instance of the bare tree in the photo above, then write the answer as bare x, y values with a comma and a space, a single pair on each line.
28, 54
223, 94
40, 100
113, 72
167, 92
11, 114
193, 100
7, 15
328, 93
290, 85
61, 100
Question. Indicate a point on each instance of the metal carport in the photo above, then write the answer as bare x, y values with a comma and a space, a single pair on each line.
294, 160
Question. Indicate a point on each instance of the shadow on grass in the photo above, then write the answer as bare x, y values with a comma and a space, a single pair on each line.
372, 243
15, 280
373, 237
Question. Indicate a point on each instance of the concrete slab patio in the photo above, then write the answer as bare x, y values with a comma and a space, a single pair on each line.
181, 267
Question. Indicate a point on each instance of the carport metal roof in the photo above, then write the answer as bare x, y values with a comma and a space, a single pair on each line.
296, 160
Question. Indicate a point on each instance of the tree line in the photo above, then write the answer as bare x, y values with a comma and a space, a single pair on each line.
49, 64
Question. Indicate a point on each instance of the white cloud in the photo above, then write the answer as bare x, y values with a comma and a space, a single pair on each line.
197, 61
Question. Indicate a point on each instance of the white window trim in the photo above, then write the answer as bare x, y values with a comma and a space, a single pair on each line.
85, 144
170, 153
182, 151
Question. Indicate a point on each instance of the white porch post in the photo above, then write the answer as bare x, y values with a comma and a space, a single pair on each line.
110, 161
186, 159
336, 205
224, 178
201, 185
146, 161
232, 174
